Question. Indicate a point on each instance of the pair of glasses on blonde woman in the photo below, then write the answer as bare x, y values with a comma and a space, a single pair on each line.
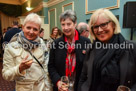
103, 26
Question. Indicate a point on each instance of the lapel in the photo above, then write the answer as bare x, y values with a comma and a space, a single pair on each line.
79, 48
90, 67
77, 51
38, 52
62, 52
123, 67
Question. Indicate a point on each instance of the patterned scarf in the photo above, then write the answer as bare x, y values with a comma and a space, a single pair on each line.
71, 56
28, 44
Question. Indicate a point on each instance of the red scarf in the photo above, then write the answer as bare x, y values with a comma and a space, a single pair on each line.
71, 55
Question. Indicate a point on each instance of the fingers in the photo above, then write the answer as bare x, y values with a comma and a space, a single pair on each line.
29, 62
25, 61
62, 86
26, 57
25, 64
59, 86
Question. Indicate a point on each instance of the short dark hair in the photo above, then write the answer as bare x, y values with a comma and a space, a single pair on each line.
68, 14
15, 23
41, 30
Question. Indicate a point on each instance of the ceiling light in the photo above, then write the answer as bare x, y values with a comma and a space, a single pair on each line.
29, 8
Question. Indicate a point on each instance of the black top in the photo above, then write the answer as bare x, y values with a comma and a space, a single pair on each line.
9, 34
127, 74
58, 52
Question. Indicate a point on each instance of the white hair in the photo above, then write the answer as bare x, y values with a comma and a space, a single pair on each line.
33, 17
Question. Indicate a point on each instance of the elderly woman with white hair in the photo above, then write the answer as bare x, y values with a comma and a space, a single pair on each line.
107, 64
24, 60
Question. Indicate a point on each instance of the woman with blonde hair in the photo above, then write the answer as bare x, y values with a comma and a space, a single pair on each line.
107, 64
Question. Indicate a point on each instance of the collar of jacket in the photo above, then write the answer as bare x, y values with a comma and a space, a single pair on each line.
63, 36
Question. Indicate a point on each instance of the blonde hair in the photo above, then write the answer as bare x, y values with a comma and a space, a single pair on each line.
106, 14
33, 17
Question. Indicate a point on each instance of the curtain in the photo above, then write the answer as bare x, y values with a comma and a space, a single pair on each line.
6, 21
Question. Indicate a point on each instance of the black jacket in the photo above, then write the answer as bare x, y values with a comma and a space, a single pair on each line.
9, 34
127, 69
58, 52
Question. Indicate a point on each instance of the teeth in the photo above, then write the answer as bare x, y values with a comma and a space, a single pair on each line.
102, 33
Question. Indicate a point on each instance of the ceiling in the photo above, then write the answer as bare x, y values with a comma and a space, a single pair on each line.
11, 7
14, 2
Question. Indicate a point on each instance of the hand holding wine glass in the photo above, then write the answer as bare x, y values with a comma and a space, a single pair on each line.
64, 83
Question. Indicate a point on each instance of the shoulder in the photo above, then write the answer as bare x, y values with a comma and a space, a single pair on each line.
13, 30
131, 43
16, 30
8, 32
14, 48
13, 45
81, 38
59, 40
43, 45
50, 40
41, 41
57, 43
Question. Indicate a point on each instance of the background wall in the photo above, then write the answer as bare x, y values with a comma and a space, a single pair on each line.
52, 13
79, 7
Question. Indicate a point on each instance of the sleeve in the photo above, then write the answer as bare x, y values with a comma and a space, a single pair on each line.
134, 54
55, 77
134, 50
47, 78
10, 71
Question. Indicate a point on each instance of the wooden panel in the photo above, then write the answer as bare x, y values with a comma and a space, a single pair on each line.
68, 6
15, 2
22, 1
46, 31
52, 18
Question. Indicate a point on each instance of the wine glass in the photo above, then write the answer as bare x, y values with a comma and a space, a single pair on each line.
71, 83
71, 86
123, 88
65, 82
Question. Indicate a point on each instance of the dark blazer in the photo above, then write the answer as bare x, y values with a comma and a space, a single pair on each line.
58, 52
9, 34
127, 69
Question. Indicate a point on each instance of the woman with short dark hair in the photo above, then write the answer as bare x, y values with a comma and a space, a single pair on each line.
66, 58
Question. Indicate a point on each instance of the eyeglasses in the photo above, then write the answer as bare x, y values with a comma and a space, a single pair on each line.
103, 26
